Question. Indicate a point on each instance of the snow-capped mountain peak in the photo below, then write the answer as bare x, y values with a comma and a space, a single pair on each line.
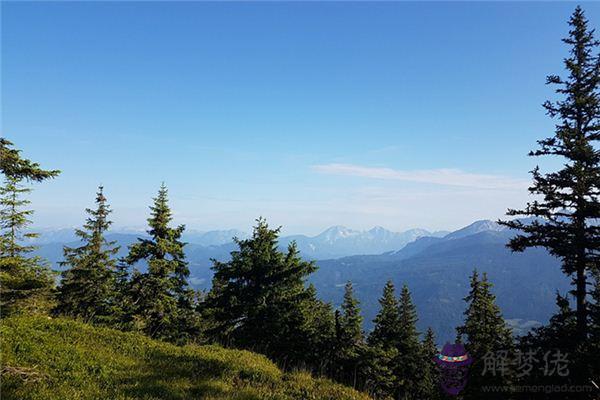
336, 233
477, 227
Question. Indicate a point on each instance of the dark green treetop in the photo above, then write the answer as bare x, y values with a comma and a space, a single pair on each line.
382, 355
408, 320
386, 331
351, 319
259, 299
486, 337
88, 286
161, 297
410, 361
430, 380
350, 343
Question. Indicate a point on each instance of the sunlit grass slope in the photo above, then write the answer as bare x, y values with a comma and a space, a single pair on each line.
62, 359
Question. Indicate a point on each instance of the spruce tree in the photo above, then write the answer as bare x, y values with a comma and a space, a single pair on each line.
26, 282
351, 319
564, 217
430, 380
350, 341
88, 286
487, 339
409, 363
408, 319
386, 330
15, 219
259, 300
160, 297
382, 354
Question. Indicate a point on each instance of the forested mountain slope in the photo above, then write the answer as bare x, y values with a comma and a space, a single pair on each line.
436, 270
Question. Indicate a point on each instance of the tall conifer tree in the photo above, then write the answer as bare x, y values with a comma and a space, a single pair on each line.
487, 339
259, 300
382, 354
386, 330
88, 287
569, 201
410, 362
26, 283
350, 340
160, 297
351, 319
430, 379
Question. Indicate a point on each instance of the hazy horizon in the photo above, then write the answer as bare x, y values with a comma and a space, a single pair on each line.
142, 228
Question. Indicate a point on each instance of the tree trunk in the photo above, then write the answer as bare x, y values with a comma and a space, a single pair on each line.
580, 279
581, 313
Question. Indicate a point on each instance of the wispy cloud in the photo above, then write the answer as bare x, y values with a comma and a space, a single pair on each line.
444, 176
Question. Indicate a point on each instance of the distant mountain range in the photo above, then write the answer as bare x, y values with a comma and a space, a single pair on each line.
437, 272
435, 265
337, 241
213, 238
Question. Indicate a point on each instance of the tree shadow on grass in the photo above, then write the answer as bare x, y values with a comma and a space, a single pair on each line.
170, 376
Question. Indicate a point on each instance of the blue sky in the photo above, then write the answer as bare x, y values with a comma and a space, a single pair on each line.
311, 114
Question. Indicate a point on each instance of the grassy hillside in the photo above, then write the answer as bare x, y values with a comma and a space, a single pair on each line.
61, 359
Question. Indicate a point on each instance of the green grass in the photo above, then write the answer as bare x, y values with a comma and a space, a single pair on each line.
62, 359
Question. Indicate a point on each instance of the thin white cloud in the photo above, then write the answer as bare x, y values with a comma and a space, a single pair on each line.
444, 176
